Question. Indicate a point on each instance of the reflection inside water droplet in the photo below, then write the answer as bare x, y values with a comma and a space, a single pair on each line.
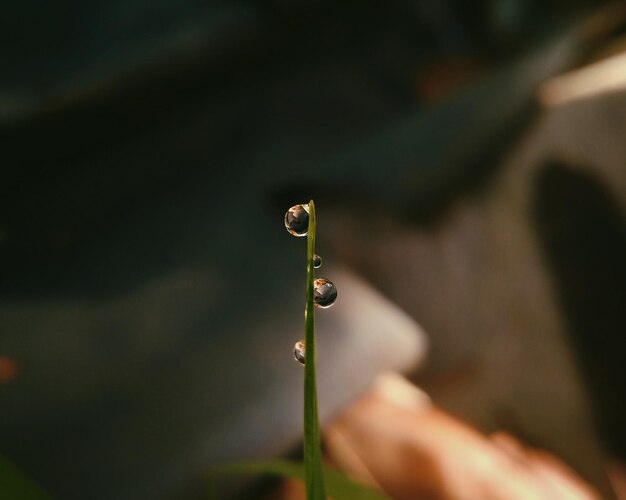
324, 293
297, 220
317, 261
299, 352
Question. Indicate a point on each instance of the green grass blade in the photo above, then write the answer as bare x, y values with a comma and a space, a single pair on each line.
312, 472
340, 487
314, 477
14, 484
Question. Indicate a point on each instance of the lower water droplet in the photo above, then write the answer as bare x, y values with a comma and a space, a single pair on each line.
324, 293
299, 352
297, 220
317, 261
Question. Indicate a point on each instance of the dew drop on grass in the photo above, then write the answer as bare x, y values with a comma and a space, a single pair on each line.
317, 261
324, 293
297, 220
299, 352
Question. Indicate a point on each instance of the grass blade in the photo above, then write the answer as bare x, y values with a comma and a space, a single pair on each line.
15, 485
312, 471
314, 477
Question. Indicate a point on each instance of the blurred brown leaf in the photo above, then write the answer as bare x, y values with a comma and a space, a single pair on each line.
395, 439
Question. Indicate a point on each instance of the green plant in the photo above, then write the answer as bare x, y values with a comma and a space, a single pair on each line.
15, 485
300, 220
314, 478
338, 486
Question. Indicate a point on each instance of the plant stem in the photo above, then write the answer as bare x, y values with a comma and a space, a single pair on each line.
315, 489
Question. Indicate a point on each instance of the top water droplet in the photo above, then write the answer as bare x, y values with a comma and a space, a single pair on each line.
297, 220
317, 261
324, 293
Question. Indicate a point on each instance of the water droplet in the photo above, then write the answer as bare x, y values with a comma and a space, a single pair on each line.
299, 352
317, 261
297, 220
325, 293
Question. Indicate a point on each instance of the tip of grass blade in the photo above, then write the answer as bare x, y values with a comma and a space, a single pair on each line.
314, 477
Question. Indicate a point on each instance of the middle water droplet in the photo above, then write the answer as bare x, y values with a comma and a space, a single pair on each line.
297, 220
299, 352
317, 261
324, 293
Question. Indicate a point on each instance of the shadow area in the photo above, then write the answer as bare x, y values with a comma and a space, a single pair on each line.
582, 234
